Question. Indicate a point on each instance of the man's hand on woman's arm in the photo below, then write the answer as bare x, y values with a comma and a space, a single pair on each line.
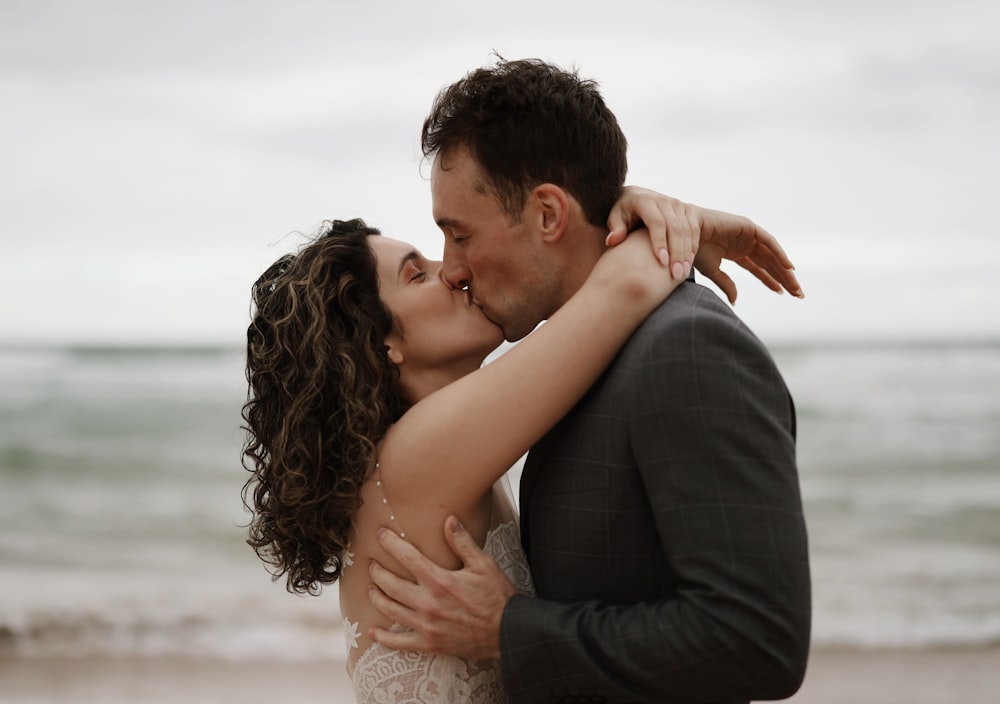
450, 611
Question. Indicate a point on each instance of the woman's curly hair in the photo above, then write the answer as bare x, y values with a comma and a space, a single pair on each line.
322, 393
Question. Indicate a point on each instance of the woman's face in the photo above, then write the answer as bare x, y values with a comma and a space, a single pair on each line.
438, 328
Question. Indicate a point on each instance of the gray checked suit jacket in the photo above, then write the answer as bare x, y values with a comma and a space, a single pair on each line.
663, 524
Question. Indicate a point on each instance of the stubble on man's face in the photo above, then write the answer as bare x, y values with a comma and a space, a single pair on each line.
506, 278
485, 246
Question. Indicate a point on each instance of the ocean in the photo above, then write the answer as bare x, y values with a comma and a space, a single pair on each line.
121, 522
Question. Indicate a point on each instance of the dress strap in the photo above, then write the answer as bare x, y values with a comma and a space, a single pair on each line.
385, 502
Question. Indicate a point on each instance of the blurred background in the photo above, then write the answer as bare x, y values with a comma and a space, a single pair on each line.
157, 156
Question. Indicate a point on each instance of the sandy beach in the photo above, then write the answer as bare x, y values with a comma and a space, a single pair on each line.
141, 680
967, 675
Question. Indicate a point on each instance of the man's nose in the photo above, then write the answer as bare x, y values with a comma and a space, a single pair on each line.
456, 276
454, 271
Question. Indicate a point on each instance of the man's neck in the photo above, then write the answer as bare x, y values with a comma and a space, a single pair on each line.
583, 246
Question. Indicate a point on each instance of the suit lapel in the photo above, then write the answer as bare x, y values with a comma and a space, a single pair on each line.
533, 465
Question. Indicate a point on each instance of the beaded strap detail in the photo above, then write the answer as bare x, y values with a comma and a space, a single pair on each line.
385, 502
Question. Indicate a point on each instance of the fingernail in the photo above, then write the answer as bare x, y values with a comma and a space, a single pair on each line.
687, 269
381, 532
456, 526
664, 256
677, 271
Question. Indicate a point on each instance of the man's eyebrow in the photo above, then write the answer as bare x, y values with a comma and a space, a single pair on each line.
447, 222
408, 257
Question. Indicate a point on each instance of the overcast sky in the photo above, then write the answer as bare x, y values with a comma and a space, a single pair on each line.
156, 156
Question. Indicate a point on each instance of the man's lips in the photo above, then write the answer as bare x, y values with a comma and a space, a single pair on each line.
470, 300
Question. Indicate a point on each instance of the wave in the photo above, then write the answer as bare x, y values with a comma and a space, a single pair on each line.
121, 522
896, 634
302, 637
306, 639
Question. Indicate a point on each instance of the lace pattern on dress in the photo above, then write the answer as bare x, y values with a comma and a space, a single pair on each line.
386, 676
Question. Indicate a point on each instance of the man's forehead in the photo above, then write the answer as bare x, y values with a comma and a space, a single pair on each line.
460, 163
446, 159
455, 187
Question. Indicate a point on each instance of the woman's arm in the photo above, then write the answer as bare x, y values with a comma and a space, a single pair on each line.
444, 454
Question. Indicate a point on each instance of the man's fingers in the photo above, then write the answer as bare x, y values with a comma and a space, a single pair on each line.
391, 588
407, 555
391, 609
400, 640
462, 543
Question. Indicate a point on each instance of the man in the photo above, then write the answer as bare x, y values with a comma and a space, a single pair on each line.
662, 517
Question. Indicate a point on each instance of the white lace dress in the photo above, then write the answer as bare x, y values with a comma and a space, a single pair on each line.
386, 676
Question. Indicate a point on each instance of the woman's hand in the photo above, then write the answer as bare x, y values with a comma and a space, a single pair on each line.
666, 219
733, 237
705, 237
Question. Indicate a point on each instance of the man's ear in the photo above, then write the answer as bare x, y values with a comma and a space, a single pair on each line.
551, 207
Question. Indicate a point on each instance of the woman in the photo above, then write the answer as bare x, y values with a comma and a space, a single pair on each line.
369, 406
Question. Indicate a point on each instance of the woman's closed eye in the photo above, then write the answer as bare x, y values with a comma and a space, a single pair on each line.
413, 269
